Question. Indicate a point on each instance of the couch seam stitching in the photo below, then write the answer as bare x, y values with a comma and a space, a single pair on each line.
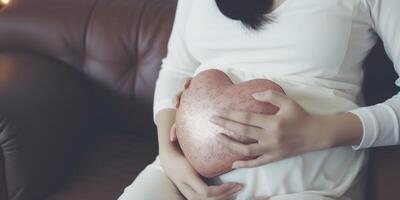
141, 15
3, 128
85, 31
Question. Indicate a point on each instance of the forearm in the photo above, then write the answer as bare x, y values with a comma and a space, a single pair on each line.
165, 119
341, 130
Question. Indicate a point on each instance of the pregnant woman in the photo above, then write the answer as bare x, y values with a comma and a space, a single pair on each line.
313, 148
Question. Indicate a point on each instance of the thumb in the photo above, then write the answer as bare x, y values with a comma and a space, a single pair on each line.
172, 134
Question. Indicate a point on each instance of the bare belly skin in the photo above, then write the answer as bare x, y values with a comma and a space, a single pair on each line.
210, 91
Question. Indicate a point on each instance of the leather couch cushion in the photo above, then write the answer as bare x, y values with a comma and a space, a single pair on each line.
109, 165
120, 43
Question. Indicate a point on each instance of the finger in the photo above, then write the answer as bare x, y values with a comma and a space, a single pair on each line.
245, 117
262, 160
186, 84
238, 128
273, 97
253, 149
172, 134
230, 195
197, 184
176, 99
187, 191
223, 191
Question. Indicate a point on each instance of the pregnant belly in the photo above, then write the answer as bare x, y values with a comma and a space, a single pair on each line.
209, 91
326, 173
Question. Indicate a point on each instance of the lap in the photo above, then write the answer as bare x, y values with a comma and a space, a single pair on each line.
152, 183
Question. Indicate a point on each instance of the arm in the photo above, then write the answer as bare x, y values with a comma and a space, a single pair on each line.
166, 119
380, 122
178, 65
375, 125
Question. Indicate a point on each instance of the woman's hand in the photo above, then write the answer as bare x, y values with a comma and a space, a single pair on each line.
289, 132
189, 183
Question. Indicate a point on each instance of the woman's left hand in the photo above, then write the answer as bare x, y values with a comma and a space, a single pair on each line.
289, 132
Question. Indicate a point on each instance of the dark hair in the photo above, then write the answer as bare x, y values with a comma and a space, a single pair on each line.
252, 13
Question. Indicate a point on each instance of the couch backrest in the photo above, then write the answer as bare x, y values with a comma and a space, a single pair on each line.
121, 43
118, 42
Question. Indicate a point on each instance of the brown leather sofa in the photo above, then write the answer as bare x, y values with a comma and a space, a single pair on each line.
77, 80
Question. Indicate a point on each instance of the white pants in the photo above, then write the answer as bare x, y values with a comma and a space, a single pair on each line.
331, 174
152, 184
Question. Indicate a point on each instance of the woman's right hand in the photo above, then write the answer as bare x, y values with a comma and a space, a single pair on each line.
186, 179
189, 182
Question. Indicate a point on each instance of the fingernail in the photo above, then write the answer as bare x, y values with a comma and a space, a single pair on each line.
235, 165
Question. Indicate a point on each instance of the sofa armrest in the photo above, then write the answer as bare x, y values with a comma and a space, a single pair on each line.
45, 119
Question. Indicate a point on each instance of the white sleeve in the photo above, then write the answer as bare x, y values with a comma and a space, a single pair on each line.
381, 121
178, 63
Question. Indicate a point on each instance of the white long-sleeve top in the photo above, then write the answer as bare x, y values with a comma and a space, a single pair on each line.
321, 42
